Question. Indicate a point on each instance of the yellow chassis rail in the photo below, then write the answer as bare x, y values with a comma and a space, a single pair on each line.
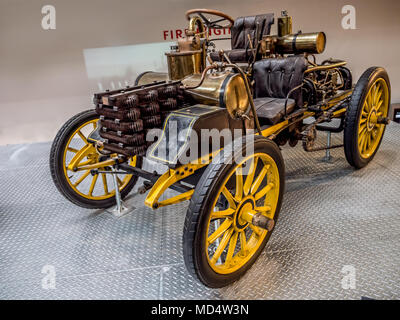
174, 175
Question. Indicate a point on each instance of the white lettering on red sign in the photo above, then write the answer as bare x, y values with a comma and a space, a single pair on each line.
179, 33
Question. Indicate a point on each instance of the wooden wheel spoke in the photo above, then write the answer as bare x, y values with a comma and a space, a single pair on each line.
369, 99
263, 191
83, 177
82, 136
220, 231
105, 185
72, 150
255, 229
364, 145
370, 139
259, 179
229, 197
243, 242
378, 98
362, 133
222, 245
222, 214
263, 209
379, 104
361, 141
250, 176
362, 136
364, 113
374, 93
93, 184
365, 106
239, 184
231, 248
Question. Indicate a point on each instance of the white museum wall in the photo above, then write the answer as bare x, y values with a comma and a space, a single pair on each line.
46, 76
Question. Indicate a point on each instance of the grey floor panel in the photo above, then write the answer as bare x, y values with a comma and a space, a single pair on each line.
124, 284
178, 285
80, 242
332, 216
28, 186
14, 156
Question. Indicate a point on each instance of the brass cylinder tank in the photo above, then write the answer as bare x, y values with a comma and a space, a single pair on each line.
182, 64
284, 24
302, 42
224, 89
150, 77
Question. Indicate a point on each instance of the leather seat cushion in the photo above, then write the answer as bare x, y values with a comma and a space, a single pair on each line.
271, 110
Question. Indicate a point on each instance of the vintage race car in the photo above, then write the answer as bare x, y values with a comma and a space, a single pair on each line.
258, 94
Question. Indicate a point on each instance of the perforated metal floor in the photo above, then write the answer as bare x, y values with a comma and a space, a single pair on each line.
332, 217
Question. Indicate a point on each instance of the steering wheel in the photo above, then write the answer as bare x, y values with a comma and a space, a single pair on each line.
216, 24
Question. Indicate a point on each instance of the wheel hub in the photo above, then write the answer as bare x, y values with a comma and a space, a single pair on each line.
246, 205
372, 119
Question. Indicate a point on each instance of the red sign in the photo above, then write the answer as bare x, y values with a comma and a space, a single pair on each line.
179, 33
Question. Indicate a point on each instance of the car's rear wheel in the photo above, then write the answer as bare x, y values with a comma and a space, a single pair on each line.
365, 117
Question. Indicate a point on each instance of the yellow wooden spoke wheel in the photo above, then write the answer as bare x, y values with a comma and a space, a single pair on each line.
220, 239
366, 117
71, 153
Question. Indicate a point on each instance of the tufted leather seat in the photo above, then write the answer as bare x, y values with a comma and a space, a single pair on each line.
274, 78
271, 110
243, 26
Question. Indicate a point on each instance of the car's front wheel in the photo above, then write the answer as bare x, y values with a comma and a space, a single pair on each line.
220, 241
79, 186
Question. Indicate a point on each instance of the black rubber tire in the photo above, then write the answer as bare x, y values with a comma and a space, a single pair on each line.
353, 116
57, 170
198, 211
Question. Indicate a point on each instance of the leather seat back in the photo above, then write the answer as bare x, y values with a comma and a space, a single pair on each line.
243, 26
247, 25
275, 77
